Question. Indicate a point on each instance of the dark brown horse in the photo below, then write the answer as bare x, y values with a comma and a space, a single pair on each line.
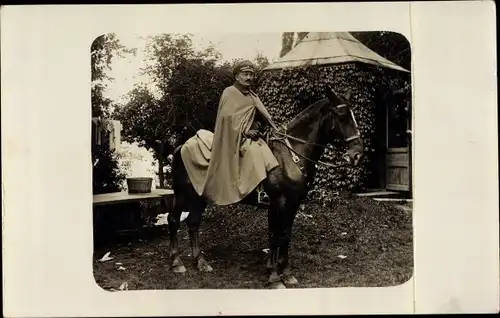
307, 135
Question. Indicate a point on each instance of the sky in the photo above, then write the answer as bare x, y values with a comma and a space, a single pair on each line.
125, 71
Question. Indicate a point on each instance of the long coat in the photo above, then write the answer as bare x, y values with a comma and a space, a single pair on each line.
236, 164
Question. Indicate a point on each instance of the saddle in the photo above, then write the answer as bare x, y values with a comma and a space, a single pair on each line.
197, 153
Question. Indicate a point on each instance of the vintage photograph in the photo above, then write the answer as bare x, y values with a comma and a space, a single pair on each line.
251, 161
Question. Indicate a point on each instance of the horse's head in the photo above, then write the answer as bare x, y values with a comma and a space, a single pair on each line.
344, 122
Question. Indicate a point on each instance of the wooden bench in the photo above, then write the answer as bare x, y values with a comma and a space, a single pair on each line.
107, 224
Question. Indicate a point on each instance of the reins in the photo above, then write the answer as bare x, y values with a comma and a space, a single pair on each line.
299, 140
309, 159
286, 143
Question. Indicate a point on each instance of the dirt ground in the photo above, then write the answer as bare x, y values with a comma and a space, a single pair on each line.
344, 242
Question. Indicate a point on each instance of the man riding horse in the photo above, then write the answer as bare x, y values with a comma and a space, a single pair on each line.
225, 166
240, 159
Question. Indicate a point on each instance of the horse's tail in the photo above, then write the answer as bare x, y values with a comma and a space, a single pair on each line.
177, 170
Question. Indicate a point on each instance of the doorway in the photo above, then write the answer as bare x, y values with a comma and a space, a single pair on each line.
397, 161
390, 165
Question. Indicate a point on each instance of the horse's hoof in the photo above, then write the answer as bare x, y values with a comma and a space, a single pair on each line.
278, 285
269, 265
205, 268
179, 269
290, 280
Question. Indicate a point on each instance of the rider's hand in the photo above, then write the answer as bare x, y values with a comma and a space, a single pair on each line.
253, 134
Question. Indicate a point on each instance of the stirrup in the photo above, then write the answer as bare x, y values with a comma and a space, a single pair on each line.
263, 198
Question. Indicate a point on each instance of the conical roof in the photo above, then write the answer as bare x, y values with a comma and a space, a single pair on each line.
322, 48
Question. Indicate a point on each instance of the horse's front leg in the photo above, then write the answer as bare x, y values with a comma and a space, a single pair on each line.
287, 219
287, 277
274, 212
193, 222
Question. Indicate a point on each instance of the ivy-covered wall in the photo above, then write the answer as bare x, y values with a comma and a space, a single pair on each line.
287, 92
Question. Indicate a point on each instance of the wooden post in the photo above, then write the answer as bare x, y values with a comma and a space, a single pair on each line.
409, 134
386, 141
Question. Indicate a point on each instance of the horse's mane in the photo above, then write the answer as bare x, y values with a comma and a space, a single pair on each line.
307, 114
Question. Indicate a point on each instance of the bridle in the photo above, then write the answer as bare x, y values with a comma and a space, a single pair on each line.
285, 141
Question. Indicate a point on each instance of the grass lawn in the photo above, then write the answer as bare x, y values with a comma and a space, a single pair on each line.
345, 242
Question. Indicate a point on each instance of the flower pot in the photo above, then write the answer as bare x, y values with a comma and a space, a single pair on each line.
139, 185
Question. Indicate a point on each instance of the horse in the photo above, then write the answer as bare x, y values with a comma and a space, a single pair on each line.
297, 150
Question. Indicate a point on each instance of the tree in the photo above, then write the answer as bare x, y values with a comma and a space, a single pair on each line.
196, 87
143, 122
390, 45
261, 61
163, 53
102, 51
189, 83
106, 173
300, 37
182, 75
286, 42
289, 40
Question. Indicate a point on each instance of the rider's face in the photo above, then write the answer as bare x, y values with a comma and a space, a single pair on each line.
245, 78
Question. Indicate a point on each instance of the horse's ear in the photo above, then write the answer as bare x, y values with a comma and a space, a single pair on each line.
348, 95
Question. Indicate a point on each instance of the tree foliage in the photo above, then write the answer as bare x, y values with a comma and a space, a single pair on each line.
189, 84
286, 43
289, 40
164, 52
142, 118
390, 45
261, 61
102, 51
194, 94
300, 36
106, 173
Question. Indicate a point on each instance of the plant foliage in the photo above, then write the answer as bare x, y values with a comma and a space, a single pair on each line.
287, 92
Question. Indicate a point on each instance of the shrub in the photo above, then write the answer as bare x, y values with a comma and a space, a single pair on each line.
106, 173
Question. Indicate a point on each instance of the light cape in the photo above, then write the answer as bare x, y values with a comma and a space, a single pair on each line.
224, 167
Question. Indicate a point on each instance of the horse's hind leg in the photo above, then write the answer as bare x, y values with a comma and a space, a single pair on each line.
174, 220
281, 218
193, 221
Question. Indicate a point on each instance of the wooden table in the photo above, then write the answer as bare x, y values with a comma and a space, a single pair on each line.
106, 224
124, 196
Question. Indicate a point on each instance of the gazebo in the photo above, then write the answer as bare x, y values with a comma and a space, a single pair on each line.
392, 165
